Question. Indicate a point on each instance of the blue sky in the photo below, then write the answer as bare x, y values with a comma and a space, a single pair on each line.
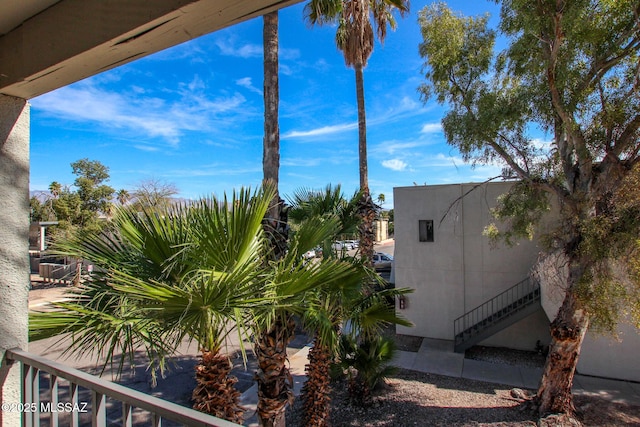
192, 115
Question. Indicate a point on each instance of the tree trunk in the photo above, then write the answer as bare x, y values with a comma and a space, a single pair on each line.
362, 128
274, 380
567, 333
215, 392
275, 226
367, 214
317, 388
366, 206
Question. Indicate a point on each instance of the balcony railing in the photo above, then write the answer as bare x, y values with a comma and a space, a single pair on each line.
65, 401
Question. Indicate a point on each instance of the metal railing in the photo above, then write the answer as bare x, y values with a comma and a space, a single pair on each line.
514, 299
77, 412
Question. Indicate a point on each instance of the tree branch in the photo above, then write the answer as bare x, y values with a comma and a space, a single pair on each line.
464, 195
628, 137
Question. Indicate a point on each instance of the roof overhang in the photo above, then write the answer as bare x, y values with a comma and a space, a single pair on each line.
49, 44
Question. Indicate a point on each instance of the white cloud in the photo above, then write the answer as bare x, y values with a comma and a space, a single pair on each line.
196, 84
246, 82
394, 111
394, 164
288, 53
148, 148
541, 144
301, 162
431, 128
245, 51
393, 147
325, 130
136, 112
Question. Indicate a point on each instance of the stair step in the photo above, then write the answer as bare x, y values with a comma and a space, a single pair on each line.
504, 315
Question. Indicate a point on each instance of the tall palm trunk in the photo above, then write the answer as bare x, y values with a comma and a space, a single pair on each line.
362, 128
274, 380
273, 377
567, 333
215, 392
316, 390
275, 225
366, 208
271, 142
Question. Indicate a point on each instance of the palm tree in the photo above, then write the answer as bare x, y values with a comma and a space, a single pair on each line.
192, 271
55, 188
123, 196
330, 307
331, 304
290, 281
355, 38
307, 203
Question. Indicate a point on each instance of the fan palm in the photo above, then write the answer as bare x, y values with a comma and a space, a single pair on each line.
355, 38
332, 304
191, 272
330, 202
290, 281
329, 308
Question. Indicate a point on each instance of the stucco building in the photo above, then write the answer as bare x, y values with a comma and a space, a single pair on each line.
441, 252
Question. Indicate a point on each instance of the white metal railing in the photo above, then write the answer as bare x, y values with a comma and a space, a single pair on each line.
34, 410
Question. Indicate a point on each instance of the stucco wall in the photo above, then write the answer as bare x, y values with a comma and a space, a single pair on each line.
609, 357
14, 248
459, 270
601, 355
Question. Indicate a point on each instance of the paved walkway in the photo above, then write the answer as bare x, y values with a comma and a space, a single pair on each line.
437, 357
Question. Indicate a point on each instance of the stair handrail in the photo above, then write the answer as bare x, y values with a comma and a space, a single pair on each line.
489, 308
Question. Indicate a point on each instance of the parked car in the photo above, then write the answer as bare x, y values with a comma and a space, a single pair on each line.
354, 243
309, 254
382, 261
339, 245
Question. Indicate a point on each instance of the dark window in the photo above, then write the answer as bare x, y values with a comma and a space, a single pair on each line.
425, 230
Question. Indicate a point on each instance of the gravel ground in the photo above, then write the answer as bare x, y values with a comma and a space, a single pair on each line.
419, 399
412, 398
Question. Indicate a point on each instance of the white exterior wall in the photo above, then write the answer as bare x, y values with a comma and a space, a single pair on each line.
459, 270
14, 249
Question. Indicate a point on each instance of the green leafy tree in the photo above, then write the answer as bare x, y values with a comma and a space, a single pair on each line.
355, 37
95, 195
36, 209
80, 207
292, 279
571, 69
